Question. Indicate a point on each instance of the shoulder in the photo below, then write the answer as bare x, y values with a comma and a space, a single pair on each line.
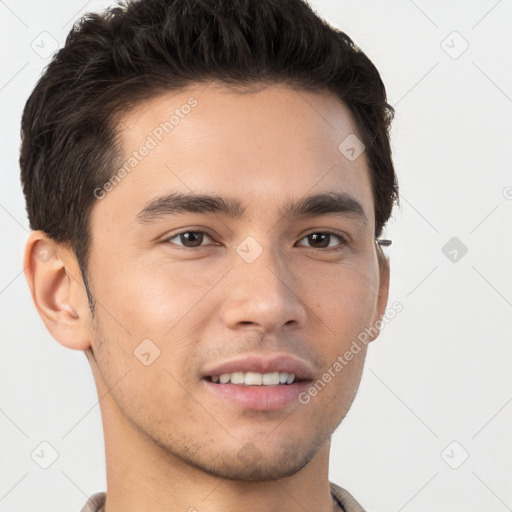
345, 499
96, 503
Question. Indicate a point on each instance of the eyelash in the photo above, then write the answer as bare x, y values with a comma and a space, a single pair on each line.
324, 232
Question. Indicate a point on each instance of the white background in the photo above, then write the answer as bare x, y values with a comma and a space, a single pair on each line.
441, 370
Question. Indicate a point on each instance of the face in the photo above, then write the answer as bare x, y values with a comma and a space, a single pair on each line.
250, 286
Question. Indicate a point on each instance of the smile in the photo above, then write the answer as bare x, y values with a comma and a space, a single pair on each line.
254, 378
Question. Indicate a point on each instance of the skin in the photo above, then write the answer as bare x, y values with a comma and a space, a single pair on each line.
170, 443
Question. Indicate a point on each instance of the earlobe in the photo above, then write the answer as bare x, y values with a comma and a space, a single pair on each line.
54, 282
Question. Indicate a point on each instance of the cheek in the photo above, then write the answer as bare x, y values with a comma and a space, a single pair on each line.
346, 300
137, 369
148, 314
154, 299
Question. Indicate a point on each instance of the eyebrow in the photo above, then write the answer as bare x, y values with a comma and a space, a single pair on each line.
309, 206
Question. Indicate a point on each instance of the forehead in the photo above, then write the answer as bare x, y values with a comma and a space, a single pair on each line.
265, 147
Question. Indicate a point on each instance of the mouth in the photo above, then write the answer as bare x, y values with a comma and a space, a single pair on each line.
254, 378
258, 382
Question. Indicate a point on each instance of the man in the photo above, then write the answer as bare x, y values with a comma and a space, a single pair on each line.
207, 182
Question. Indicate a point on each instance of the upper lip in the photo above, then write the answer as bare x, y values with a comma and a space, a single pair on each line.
263, 364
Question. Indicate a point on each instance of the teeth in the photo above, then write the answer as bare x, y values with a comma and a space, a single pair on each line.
254, 378
237, 378
225, 378
271, 379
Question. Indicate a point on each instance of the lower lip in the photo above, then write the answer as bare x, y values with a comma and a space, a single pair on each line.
259, 398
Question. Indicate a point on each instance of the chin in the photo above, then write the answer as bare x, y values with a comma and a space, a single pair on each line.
252, 462
256, 470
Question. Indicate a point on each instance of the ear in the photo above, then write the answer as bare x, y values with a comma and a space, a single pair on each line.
57, 289
382, 299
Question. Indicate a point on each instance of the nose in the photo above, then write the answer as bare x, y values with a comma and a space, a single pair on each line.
263, 294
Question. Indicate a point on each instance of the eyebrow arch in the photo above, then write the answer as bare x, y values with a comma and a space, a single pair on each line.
309, 206
324, 204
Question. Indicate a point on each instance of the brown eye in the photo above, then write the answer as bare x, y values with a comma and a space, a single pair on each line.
189, 239
324, 239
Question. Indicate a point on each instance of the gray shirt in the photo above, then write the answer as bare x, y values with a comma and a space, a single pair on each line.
343, 501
